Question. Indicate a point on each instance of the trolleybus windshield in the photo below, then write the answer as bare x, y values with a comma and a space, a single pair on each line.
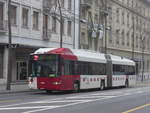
43, 65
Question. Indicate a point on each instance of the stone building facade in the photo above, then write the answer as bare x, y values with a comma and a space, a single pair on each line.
126, 24
32, 28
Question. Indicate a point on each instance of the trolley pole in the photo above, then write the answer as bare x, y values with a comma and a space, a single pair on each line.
8, 87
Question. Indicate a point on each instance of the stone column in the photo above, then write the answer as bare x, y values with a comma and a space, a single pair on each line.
5, 65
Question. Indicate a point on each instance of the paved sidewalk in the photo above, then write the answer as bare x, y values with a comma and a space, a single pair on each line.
145, 83
15, 88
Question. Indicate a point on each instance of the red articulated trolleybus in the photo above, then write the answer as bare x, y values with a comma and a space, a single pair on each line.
63, 69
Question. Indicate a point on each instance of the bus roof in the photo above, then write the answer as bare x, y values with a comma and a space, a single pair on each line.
85, 55
121, 60
82, 55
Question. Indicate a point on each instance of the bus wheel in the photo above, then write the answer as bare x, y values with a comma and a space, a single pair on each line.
76, 87
48, 91
102, 86
126, 84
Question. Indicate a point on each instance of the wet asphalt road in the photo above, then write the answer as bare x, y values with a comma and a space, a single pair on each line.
120, 100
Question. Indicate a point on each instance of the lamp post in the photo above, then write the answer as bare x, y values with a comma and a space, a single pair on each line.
8, 86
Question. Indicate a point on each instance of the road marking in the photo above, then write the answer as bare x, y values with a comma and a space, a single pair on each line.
73, 99
59, 101
11, 105
137, 108
66, 105
6, 101
89, 97
32, 107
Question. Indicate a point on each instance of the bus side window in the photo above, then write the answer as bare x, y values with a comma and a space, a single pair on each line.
69, 67
130, 70
66, 67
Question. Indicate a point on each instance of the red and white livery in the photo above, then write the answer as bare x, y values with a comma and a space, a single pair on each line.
71, 69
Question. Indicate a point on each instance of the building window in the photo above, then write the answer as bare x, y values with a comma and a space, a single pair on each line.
13, 15
83, 13
54, 24
69, 4
128, 19
128, 2
69, 28
110, 35
148, 45
117, 36
1, 63
1, 15
45, 25
128, 39
63, 22
123, 17
110, 14
147, 65
117, 15
137, 23
123, 38
22, 70
96, 19
62, 3
83, 38
137, 42
25, 17
35, 20
132, 38
1, 11
45, 21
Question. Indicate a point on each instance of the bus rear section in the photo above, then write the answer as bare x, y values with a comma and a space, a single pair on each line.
46, 73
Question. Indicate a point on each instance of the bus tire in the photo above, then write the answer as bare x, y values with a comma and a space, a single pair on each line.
48, 91
102, 85
127, 83
76, 87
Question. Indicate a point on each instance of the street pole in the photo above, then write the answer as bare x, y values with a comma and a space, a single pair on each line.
105, 14
8, 87
61, 19
74, 24
133, 38
79, 37
143, 59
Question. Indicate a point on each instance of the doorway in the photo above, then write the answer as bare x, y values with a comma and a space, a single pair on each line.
22, 70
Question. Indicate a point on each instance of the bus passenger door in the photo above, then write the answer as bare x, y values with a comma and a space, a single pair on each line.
109, 70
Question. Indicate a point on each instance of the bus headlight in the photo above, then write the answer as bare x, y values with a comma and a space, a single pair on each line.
30, 81
56, 83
